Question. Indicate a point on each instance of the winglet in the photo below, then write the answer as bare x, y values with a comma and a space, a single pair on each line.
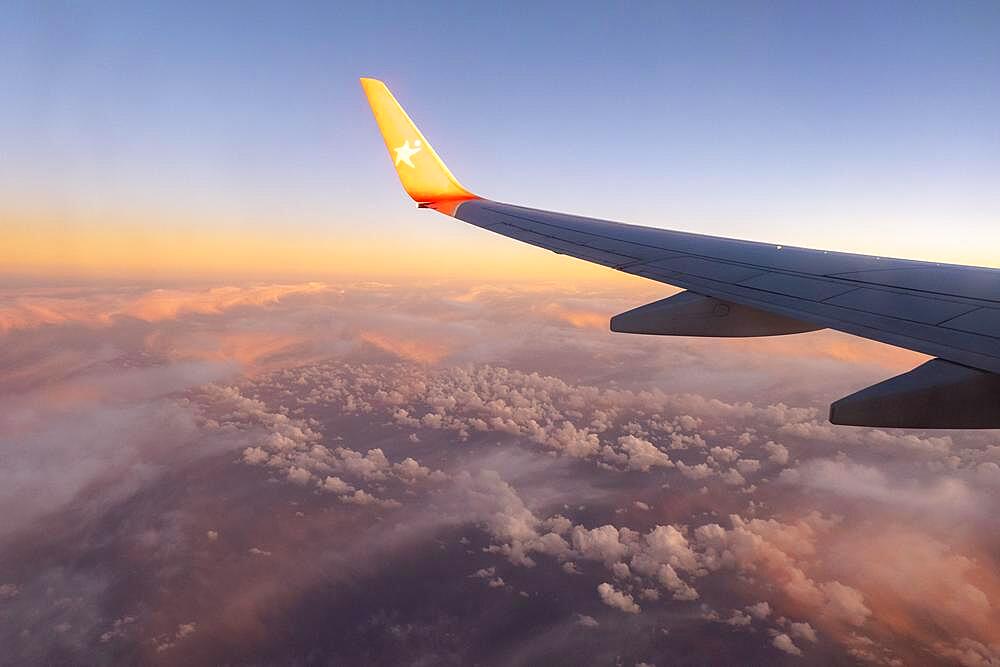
423, 175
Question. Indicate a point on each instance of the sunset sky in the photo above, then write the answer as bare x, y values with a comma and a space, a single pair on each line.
175, 140
257, 409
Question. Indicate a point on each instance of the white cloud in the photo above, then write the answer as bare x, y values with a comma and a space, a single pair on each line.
724, 454
617, 599
739, 618
854, 480
845, 603
361, 497
642, 454
969, 652
776, 453
255, 456
601, 544
760, 610
336, 485
783, 642
803, 631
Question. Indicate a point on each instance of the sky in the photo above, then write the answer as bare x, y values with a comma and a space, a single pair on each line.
175, 139
256, 409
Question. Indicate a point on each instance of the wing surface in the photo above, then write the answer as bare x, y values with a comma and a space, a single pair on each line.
947, 311
741, 288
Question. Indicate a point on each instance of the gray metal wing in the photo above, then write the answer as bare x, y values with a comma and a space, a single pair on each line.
744, 288
947, 311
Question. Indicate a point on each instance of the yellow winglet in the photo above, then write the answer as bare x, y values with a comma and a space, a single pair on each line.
423, 175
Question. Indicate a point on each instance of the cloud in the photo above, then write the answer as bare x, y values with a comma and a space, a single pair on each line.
845, 603
739, 618
578, 317
166, 642
336, 485
803, 631
854, 480
421, 351
969, 653
783, 642
760, 610
58, 306
777, 454
381, 422
642, 454
617, 599
601, 544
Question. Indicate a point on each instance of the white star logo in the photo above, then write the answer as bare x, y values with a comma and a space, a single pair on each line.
405, 152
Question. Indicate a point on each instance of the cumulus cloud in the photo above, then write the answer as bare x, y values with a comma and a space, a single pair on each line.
642, 454
803, 631
776, 453
617, 599
969, 653
783, 642
336, 485
399, 393
619, 431
361, 497
739, 618
760, 610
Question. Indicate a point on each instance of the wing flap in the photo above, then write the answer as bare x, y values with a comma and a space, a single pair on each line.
690, 314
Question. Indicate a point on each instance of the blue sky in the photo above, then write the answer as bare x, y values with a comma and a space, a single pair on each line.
860, 126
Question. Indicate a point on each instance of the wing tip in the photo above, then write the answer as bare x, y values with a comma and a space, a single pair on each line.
423, 174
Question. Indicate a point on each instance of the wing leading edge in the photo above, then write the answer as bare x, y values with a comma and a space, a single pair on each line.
744, 288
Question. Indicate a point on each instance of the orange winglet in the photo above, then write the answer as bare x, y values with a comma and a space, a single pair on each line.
423, 174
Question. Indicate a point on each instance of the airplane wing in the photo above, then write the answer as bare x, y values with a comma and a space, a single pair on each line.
745, 288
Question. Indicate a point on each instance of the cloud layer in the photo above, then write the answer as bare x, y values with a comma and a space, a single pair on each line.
207, 475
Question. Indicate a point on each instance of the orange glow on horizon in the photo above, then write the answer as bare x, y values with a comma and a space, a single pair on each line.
53, 246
